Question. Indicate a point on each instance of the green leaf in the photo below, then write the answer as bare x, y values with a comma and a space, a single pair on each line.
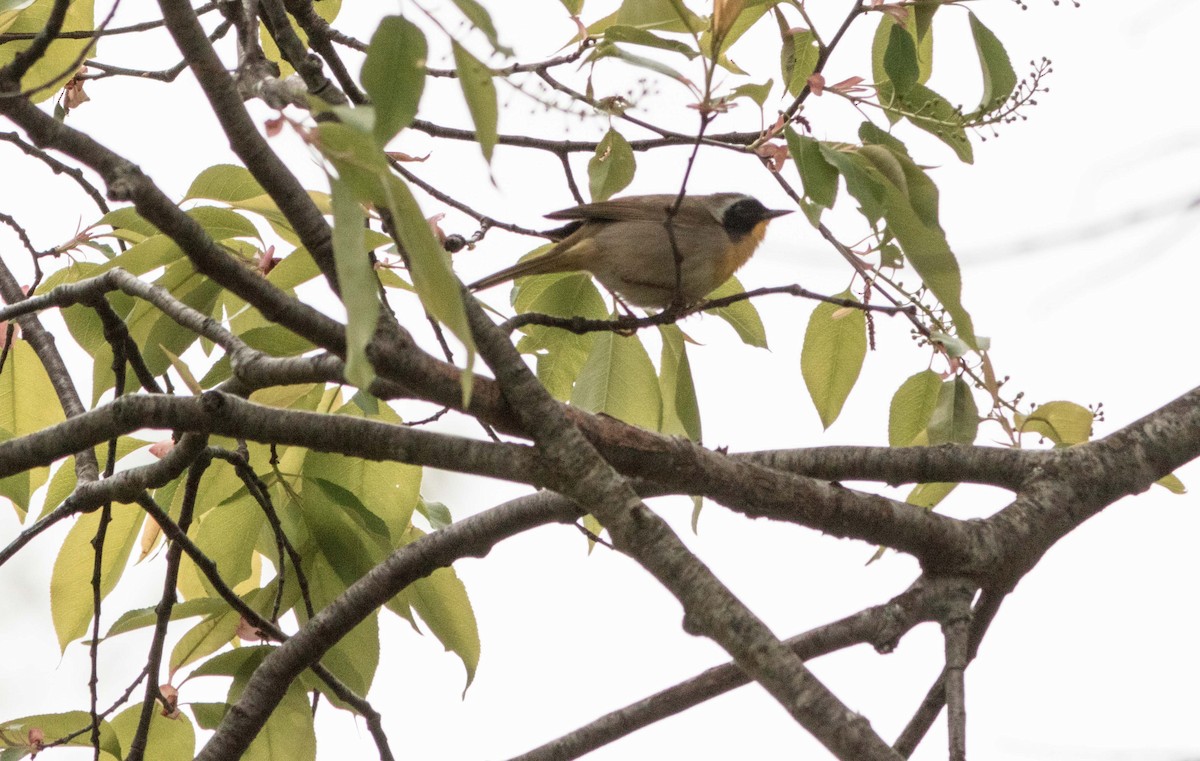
910, 206
618, 379
799, 53
360, 288
820, 178
223, 224
58, 64
132, 620
681, 408
999, 79
206, 637
835, 345
912, 407
1064, 423
440, 599
574, 7
361, 165
611, 168
170, 739
862, 179
288, 734
432, 276
609, 50
661, 15
934, 114
27, 404
355, 657
900, 60
223, 182
480, 94
868, 133
14, 733
482, 20
636, 36
71, 579
394, 75
955, 418
560, 354
756, 93
1171, 483
742, 316
929, 495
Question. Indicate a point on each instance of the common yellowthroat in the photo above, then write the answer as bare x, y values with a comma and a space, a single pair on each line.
624, 243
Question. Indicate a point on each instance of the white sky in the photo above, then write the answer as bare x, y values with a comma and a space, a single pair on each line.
1093, 656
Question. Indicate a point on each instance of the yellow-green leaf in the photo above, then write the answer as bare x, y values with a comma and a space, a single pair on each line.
911, 408
999, 79
394, 75
820, 178
441, 601
1064, 423
360, 288
611, 168
480, 94
170, 738
835, 345
681, 409
27, 404
955, 418
54, 68
742, 316
224, 182
618, 379
1171, 483
71, 580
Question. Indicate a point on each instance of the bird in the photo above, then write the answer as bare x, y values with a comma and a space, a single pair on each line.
625, 244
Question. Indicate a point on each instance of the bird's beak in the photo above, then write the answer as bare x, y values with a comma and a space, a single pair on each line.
772, 213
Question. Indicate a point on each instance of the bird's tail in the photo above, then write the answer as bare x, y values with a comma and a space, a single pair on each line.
553, 261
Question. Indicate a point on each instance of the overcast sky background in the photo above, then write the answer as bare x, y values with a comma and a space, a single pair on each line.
1078, 240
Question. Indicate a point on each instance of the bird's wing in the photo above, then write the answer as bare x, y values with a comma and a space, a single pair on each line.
649, 208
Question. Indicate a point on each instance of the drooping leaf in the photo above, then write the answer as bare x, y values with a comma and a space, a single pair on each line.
835, 345
681, 408
900, 60
929, 495
999, 79
440, 599
560, 354
482, 20
361, 165
394, 75
360, 288
288, 734
27, 404
798, 55
611, 168
912, 407
742, 316
820, 178
618, 379
480, 94
637, 36
1171, 483
71, 579
891, 185
955, 418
